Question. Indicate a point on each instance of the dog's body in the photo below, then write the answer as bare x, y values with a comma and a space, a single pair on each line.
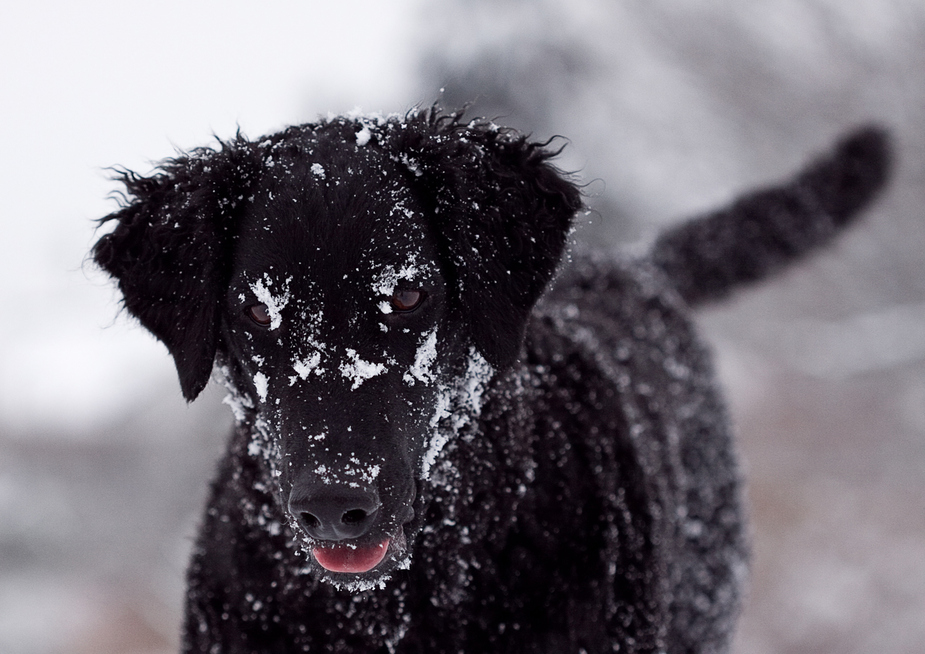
430, 457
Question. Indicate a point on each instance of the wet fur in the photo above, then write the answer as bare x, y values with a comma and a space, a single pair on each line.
578, 489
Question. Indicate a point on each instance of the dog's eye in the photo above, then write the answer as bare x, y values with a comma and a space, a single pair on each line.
405, 300
259, 314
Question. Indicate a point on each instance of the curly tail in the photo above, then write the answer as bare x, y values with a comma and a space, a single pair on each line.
708, 256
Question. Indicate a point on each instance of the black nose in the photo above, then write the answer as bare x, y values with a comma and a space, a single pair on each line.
334, 512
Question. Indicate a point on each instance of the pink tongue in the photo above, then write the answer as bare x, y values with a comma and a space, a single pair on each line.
346, 559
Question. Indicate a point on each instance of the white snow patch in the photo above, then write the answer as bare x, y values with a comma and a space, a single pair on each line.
318, 170
274, 303
390, 276
412, 164
308, 365
261, 383
363, 136
359, 370
439, 437
457, 407
423, 360
355, 587
264, 445
366, 474
238, 403
478, 373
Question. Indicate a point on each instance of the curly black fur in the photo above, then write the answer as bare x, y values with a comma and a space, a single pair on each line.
548, 472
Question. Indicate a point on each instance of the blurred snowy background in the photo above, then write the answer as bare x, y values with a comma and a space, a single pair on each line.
670, 107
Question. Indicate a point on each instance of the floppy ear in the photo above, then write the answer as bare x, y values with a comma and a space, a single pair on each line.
502, 214
171, 247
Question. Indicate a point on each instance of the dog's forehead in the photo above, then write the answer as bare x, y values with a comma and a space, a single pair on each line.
335, 216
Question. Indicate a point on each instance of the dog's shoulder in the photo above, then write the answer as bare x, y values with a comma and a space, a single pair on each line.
617, 327
612, 299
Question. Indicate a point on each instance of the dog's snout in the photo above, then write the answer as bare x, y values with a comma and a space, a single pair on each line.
334, 513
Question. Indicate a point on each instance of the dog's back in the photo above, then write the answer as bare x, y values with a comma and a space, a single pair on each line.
633, 411
627, 328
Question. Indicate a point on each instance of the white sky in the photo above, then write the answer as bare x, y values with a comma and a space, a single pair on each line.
97, 83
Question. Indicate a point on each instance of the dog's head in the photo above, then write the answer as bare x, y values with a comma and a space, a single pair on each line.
358, 282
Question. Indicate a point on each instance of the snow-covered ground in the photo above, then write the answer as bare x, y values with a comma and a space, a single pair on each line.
671, 106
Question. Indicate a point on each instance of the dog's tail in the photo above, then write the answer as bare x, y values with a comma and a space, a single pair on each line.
707, 257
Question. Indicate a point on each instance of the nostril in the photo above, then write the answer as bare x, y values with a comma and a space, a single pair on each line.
354, 517
309, 520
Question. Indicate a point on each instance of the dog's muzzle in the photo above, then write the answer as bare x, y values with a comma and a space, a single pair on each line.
339, 517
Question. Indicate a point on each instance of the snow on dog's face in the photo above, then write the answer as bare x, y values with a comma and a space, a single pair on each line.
358, 281
336, 331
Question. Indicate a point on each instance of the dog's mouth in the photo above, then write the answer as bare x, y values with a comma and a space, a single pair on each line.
349, 558
377, 556
369, 559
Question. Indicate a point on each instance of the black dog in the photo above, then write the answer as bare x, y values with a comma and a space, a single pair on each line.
431, 455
